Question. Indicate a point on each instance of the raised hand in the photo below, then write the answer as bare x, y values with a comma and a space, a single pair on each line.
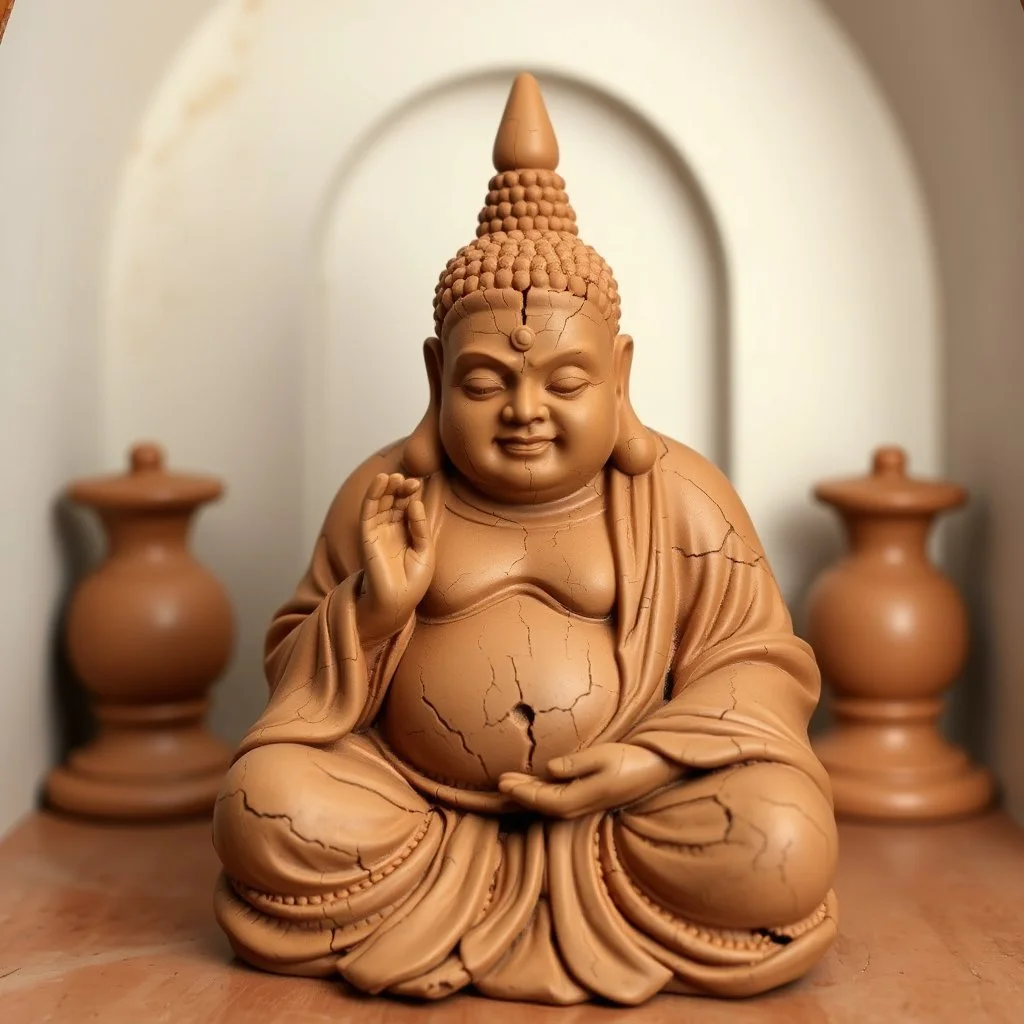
596, 779
398, 554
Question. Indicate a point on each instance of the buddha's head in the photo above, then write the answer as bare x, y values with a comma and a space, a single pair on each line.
529, 376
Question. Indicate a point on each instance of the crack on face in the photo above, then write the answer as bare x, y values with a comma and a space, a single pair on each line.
465, 451
494, 318
565, 323
547, 322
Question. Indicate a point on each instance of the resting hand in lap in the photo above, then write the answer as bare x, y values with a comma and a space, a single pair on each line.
537, 717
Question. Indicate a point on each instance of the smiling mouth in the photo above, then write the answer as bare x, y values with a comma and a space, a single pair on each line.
525, 445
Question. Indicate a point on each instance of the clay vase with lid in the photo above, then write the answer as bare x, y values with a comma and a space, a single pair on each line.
147, 634
890, 635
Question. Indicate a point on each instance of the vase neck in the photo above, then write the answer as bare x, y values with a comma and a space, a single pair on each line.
891, 538
146, 533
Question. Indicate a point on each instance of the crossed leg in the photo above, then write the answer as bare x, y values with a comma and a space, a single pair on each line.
319, 846
729, 868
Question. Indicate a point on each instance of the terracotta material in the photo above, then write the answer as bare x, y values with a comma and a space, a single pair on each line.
537, 718
5, 13
932, 932
890, 633
148, 632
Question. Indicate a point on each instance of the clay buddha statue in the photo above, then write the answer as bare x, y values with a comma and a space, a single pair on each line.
537, 721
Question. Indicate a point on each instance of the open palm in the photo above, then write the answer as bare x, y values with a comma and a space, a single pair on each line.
600, 778
398, 551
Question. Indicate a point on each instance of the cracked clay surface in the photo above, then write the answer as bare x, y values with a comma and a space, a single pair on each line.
538, 719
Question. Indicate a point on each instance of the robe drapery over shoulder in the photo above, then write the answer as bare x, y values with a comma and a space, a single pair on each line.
711, 678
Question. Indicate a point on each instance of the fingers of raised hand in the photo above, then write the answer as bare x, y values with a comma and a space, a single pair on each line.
408, 487
374, 493
419, 531
392, 492
388, 493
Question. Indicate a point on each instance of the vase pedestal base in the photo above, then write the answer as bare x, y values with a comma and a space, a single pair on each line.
111, 800
147, 763
887, 761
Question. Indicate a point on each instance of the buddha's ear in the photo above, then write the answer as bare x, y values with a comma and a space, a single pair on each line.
423, 454
635, 448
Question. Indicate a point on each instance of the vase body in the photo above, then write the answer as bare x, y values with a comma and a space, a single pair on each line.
148, 632
890, 634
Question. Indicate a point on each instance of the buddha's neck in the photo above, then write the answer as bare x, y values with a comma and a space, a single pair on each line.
588, 498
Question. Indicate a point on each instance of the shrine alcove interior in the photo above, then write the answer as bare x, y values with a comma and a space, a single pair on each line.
232, 244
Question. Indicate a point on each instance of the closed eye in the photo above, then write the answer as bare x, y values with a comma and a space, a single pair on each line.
482, 387
568, 387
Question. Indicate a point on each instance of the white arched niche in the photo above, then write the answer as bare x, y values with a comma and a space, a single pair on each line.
304, 172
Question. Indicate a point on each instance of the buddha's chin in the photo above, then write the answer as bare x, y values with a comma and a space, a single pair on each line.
536, 476
522, 489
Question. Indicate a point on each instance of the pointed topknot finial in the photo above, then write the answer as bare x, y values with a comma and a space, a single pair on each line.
525, 137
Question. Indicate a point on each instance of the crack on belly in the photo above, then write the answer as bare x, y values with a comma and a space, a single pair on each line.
451, 728
526, 626
524, 716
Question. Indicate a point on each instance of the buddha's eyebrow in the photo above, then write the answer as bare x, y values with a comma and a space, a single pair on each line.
574, 356
473, 358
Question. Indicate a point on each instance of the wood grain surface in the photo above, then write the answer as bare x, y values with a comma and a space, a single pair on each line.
114, 924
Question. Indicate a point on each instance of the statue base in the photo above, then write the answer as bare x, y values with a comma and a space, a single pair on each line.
887, 761
147, 763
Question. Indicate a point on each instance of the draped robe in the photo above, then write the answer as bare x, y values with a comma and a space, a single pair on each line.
520, 906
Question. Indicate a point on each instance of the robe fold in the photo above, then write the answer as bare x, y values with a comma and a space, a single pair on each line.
711, 678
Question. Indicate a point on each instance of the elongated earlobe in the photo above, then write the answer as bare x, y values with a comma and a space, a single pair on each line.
635, 448
423, 454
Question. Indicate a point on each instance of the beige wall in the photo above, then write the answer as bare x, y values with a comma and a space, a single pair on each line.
74, 80
253, 322
953, 72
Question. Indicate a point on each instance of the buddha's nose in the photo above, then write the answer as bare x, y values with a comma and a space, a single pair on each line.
526, 404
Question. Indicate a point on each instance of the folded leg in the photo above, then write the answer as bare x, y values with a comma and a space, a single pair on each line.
727, 877
752, 847
319, 846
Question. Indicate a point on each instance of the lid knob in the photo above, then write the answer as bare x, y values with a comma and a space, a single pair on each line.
146, 458
889, 461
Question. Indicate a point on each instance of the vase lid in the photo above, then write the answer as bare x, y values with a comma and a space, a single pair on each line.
888, 488
146, 485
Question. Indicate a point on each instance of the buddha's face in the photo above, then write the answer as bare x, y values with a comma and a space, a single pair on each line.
530, 404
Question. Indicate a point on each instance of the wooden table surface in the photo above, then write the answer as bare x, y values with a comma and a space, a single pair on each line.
114, 924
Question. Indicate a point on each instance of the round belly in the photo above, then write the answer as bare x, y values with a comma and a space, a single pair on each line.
504, 689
